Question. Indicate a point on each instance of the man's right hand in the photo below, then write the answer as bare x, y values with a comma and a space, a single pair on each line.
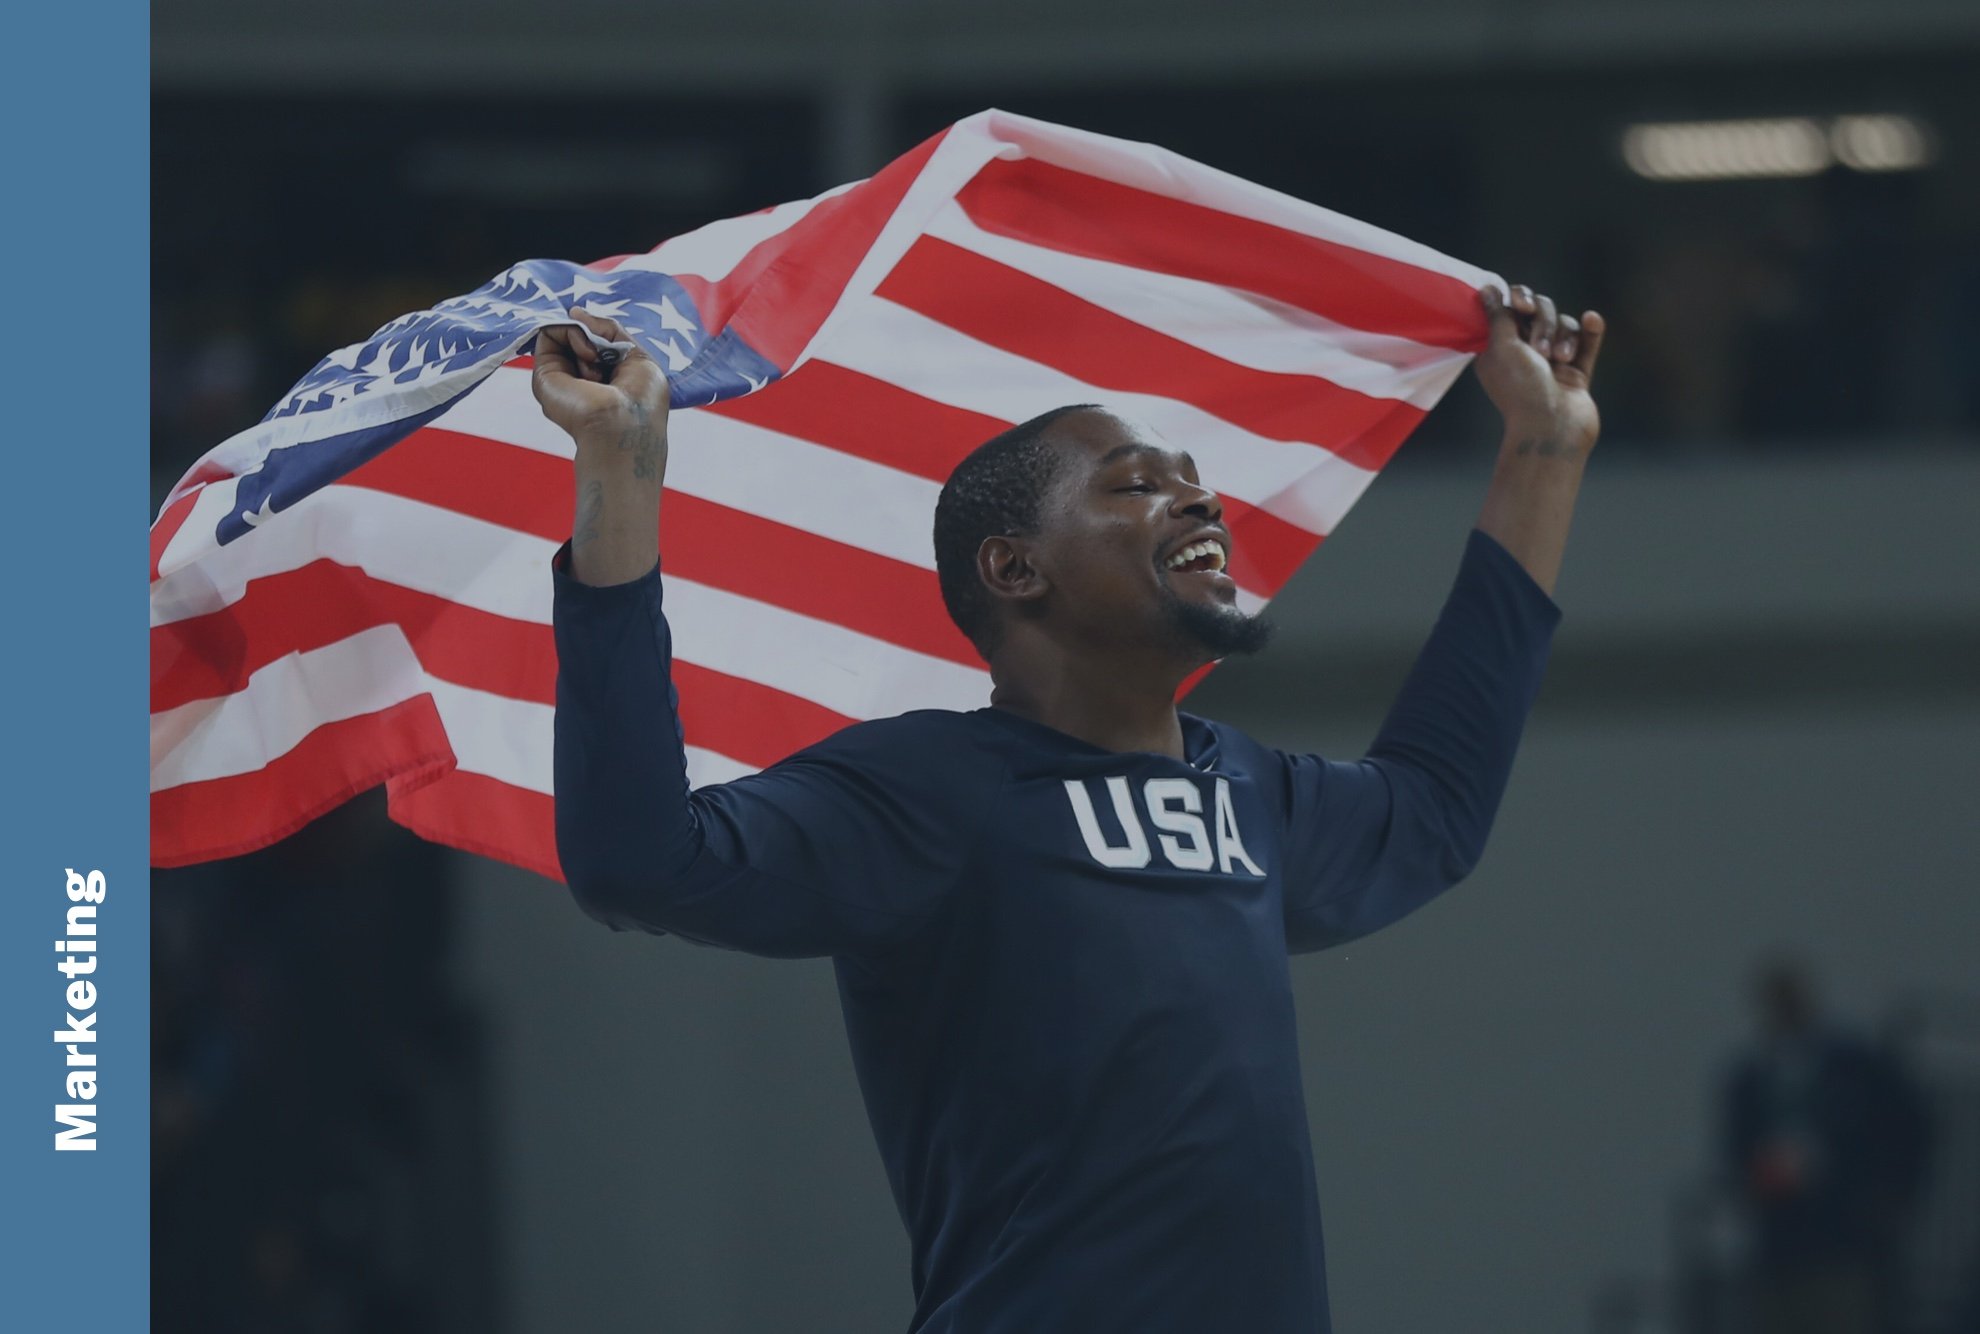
591, 401
617, 415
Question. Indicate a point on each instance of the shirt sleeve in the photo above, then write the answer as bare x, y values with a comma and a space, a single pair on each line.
848, 848
1370, 842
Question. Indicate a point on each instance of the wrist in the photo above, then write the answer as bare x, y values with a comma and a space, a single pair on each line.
1544, 440
628, 451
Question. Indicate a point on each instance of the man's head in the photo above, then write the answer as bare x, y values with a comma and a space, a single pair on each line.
1785, 998
1088, 529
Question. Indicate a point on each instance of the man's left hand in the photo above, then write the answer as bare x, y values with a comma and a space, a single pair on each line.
1537, 368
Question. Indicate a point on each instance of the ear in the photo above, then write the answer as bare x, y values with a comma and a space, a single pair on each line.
1004, 565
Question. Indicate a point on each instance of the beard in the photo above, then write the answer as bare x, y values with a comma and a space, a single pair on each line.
1217, 632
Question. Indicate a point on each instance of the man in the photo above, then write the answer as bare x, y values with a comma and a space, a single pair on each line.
1061, 924
1828, 1141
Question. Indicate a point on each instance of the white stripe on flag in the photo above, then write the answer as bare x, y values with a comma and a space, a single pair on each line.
502, 407
281, 704
843, 497
514, 740
407, 542
496, 736
843, 670
706, 768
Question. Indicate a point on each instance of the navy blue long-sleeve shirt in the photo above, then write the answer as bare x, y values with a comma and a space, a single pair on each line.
1064, 970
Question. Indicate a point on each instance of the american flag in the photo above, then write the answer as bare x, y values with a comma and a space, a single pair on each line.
356, 590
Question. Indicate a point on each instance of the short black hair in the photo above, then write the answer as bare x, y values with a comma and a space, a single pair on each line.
996, 491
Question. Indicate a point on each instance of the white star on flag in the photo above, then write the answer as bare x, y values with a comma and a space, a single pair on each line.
671, 319
676, 358
582, 286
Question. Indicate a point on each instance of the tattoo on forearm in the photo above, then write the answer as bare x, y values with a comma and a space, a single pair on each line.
590, 502
646, 445
1545, 447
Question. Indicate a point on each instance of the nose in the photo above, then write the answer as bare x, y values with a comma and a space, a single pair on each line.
1197, 502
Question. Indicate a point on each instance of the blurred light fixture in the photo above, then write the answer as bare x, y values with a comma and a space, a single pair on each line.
1783, 146
1880, 143
1725, 150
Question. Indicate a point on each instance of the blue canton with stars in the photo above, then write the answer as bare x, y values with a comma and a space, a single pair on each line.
480, 331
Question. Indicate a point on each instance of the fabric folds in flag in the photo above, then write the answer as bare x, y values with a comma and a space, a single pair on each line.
356, 590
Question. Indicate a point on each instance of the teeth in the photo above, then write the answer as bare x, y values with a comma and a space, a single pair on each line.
1194, 550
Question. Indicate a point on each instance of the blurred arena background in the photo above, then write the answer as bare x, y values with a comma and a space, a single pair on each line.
401, 1089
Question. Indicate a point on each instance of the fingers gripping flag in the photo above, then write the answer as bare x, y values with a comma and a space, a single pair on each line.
356, 590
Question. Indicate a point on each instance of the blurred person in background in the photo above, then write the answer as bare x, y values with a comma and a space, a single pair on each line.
1825, 1136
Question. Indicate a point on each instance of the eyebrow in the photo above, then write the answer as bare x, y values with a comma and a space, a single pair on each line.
1136, 447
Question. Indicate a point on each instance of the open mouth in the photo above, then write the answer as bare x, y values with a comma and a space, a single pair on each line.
1204, 557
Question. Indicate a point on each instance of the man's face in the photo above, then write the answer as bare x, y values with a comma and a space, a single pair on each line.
1135, 547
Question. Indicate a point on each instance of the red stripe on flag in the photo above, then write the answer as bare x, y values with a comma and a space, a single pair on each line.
1009, 309
781, 291
706, 296
1034, 201
483, 815
1265, 549
518, 488
802, 572
1193, 680
700, 540
225, 817
320, 603
870, 419
747, 721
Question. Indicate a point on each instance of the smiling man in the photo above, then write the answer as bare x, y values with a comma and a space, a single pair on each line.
1062, 923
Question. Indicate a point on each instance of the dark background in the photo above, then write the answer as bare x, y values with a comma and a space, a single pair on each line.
402, 1089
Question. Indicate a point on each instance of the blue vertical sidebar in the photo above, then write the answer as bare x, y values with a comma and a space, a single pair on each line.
74, 1224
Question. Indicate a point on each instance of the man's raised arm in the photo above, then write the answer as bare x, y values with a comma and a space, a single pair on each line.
617, 415
848, 848
1536, 369
1374, 840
